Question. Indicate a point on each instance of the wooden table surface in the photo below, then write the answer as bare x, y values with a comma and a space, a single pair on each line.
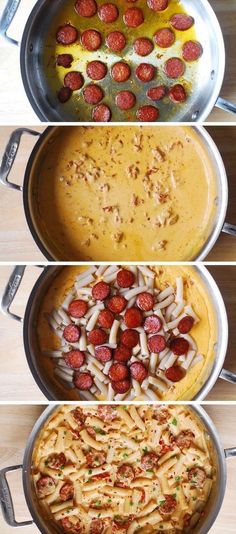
16, 242
15, 108
16, 382
16, 423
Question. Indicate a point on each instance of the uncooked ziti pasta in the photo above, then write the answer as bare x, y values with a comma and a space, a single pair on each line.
127, 469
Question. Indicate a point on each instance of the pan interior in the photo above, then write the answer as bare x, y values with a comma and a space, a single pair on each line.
43, 79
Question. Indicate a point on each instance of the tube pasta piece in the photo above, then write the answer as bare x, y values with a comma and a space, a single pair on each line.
136, 417
125, 417
179, 289
151, 519
166, 466
90, 441
92, 321
157, 383
134, 292
101, 270
164, 303
67, 512
114, 332
143, 344
165, 293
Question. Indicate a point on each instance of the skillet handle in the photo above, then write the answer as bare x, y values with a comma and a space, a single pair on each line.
229, 229
228, 376
10, 155
7, 18
226, 105
230, 452
6, 499
11, 290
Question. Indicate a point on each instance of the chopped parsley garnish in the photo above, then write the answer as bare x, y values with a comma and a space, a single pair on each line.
90, 471
149, 470
177, 478
174, 421
145, 450
99, 430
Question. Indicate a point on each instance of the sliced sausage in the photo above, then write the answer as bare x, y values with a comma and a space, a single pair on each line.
179, 346
133, 17
138, 371
164, 37
67, 491
120, 71
122, 354
78, 308
149, 461
83, 381
125, 475
91, 40
106, 319
101, 290
125, 278
197, 476
143, 46
125, 100
64, 95
152, 324
185, 438
147, 114
97, 336
95, 459
79, 416
103, 354
118, 372
133, 318
117, 304
116, 41
156, 93
67, 34
71, 333
130, 338
96, 70
181, 21
56, 461
93, 94
156, 343
175, 373
177, 93
71, 528
121, 387
174, 67
45, 486
108, 13
121, 524
158, 5
192, 50
107, 413
186, 324
145, 301
97, 526
169, 506
75, 359
101, 113
65, 60
86, 8
161, 415
145, 72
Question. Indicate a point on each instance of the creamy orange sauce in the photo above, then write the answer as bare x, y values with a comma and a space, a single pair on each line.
124, 193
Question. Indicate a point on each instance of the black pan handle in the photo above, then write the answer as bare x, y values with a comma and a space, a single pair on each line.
7, 18
229, 229
6, 499
11, 290
10, 155
226, 105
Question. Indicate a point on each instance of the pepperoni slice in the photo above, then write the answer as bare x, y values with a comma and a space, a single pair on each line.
86, 8
64, 95
158, 5
118, 372
185, 438
145, 72
96, 70
107, 413
182, 22
71, 333
91, 40
143, 46
152, 324
121, 387
101, 113
169, 506
79, 416
186, 324
106, 319
121, 71
95, 459
83, 381
133, 318
117, 304
93, 94
125, 278
179, 346
75, 359
174, 67
97, 526
67, 34
147, 114
175, 373
108, 13
130, 338
45, 486
149, 461
78, 308
192, 50
177, 93
67, 491
156, 344
97, 336
125, 100
64, 60
103, 354
138, 371
145, 301
125, 475
133, 17
71, 528
101, 291
197, 477
116, 41
56, 461
122, 354
164, 37
156, 93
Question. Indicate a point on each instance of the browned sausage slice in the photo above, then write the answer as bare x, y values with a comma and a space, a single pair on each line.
133, 17
174, 67
118, 372
178, 95
152, 324
101, 113
145, 301
169, 506
149, 461
125, 278
156, 93
75, 359
121, 387
71, 333
101, 290
78, 308
158, 5
103, 354
106, 319
186, 324
192, 51
97, 336
179, 346
164, 37
117, 304
130, 338
125, 100
74, 80
64, 60
67, 34
93, 94
133, 318
86, 8
181, 21
64, 95
96, 70
125, 475
67, 491
91, 40
145, 72
138, 371
120, 71
143, 46
147, 114
45, 486
116, 41
122, 354
156, 343
108, 12
83, 381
